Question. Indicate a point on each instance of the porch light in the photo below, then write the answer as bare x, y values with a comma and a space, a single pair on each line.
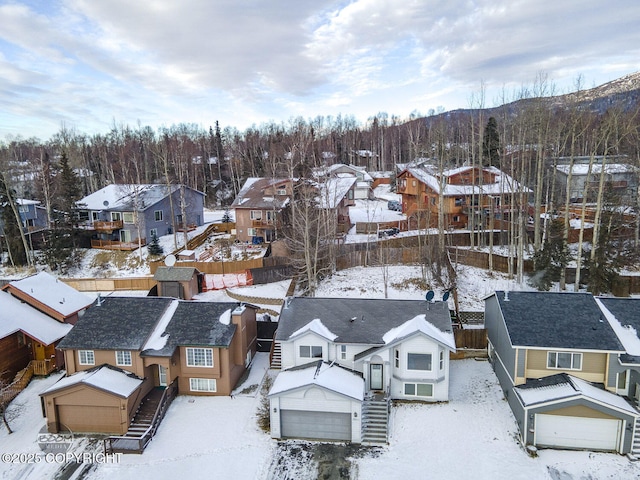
355, 414
275, 410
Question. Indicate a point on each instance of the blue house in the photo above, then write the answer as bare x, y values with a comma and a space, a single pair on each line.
32, 216
121, 215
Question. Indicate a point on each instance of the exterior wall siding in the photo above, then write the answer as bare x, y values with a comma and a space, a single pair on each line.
594, 366
505, 354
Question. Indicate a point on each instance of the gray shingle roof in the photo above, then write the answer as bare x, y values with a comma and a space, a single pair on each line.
372, 318
118, 323
197, 324
174, 274
252, 194
557, 320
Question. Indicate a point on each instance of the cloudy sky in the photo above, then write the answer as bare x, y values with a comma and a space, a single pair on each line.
86, 64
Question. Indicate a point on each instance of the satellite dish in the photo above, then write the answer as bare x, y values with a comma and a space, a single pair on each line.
170, 260
106, 203
430, 295
445, 297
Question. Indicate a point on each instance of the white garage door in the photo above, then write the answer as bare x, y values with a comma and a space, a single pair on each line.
577, 432
315, 425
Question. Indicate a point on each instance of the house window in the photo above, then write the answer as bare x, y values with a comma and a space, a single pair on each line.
86, 357
199, 357
127, 217
441, 359
153, 232
350, 195
456, 218
397, 358
123, 358
95, 216
252, 232
23, 208
116, 216
418, 389
419, 361
459, 201
281, 191
202, 384
343, 352
158, 215
256, 214
433, 200
21, 340
307, 351
270, 215
179, 218
564, 360
413, 183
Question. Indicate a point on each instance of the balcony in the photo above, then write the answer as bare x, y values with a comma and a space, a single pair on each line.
107, 226
261, 223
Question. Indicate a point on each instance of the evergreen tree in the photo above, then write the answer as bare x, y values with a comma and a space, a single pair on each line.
491, 144
551, 259
226, 218
603, 269
59, 251
154, 248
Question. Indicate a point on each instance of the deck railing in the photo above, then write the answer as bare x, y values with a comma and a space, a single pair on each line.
125, 444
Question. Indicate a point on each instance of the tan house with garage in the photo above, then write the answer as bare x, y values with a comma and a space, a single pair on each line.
127, 349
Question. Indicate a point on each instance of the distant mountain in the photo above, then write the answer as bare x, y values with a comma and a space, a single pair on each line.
623, 92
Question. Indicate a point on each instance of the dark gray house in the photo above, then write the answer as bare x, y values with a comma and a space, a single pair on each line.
556, 356
121, 214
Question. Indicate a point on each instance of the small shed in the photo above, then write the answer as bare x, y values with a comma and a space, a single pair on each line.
187, 255
177, 282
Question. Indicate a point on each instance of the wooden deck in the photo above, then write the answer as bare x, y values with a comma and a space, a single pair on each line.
115, 245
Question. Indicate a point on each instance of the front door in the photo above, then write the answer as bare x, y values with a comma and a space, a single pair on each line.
375, 377
162, 376
38, 351
125, 236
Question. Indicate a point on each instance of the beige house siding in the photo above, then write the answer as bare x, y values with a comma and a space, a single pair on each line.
594, 366
580, 411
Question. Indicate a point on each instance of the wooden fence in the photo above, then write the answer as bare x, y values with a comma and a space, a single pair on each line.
20, 382
214, 267
480, 259
474, 339
110, 284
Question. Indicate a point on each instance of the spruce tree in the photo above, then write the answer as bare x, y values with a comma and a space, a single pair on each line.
491, 144
154, 248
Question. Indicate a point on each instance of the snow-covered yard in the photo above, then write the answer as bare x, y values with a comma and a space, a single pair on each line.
474, 436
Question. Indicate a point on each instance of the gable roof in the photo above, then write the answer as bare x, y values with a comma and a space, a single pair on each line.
128, 197
16, 315
105, 377
356, 320
333, 190
52, 293
197, 324
556, 320
174, 274
117, 323
563, 387
429, 175
252, 195
623, 314
331, 377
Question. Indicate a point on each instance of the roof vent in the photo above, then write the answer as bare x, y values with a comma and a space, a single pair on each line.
506, 295
99, 300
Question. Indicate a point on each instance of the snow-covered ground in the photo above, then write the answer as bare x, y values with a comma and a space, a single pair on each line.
474, 436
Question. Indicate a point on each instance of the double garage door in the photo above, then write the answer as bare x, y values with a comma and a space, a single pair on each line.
315, 425
577, 432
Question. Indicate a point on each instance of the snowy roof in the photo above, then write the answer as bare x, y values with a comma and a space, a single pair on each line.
420, 324
16, 315
53, 293
252, 195
315, 326
105, 377
127, 197
358, 320
333, 190
24, 201
502, 183
320, 374
562, 386
596, 168
158, 338
565, 320
623, 314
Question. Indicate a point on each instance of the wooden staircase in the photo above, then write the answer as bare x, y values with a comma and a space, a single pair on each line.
276, 355
144, 415
375, 421
635, 445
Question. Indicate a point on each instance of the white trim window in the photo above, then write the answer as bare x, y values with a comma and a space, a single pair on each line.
343, 352
86, 357
255, 214
116, 216
199, 357
313, 351
252, 232
564, 360
128, 217
418, 389
396, 356
202, 385
419, 361
123, 358
157, 215
153, 232
441, 359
